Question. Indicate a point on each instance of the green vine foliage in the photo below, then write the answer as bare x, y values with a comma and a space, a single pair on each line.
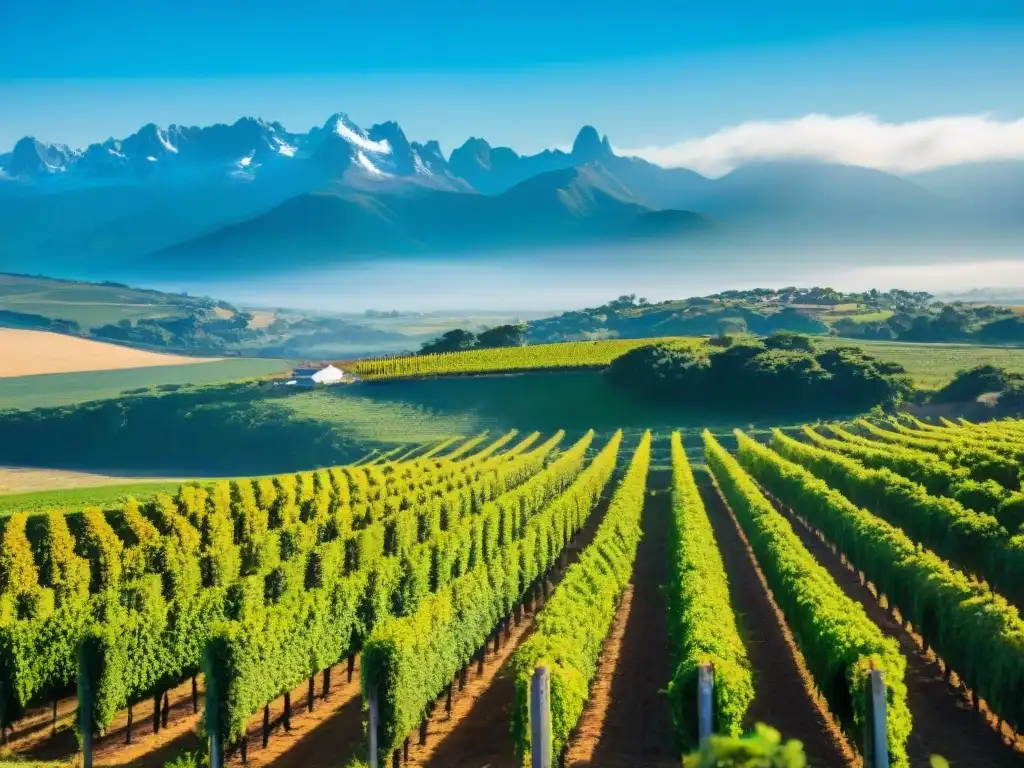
37, 643
975, 542
973, 629
978, 458
937, 476
18, 572
409, 660
763, 748
1012, 449
571, 628
141, 588
97, 542
334, 579
702, 625
838, 640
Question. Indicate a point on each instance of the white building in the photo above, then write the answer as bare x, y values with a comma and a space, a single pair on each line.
310, 377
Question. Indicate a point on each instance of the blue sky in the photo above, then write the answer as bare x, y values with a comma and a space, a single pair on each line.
524, 73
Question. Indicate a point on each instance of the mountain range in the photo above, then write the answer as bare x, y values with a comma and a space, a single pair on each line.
253, 197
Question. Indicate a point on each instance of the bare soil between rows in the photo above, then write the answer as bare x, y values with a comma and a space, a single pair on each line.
627, 723
944, 722
784, 694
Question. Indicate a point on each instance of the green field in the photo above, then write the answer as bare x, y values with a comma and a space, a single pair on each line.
934, 365
89, 314
55, 389
862, 317
88, 304
429, 409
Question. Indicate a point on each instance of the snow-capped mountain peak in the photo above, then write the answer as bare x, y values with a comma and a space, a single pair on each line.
33, 158
250, 149
342, 126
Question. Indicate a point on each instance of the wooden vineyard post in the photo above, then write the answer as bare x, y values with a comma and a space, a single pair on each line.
540, 719
705, 702
876, 744
374, 724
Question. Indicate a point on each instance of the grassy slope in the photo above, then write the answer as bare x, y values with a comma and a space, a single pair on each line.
76, 498
426, 409
89, 304
933, 365
240, 430
50, 390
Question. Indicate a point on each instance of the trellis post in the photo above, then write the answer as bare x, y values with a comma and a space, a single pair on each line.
374, 725
876, 747
705, 701
540, 718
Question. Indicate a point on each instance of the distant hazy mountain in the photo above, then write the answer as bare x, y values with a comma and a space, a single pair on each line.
784, 194
251, 194
994, 187
568, 206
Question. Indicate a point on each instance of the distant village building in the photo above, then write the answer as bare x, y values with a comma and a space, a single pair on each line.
310, 377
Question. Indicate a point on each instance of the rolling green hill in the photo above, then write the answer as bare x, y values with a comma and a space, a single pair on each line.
58, 389
90, 304
155, 320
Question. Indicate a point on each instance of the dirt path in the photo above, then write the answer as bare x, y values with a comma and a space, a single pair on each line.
147, 748
477, 734
626, 722
329, 736
944, 722
783, 689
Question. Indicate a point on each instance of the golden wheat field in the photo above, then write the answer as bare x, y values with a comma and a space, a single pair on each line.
26, 353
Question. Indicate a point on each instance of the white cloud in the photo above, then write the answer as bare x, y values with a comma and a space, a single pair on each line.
852, 139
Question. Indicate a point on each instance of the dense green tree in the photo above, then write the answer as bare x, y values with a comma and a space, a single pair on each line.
757, 376
503, 336
968, 384
452, 341
789, 340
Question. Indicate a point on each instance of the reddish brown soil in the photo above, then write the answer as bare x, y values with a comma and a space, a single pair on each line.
147, 749
477, 732
784, 696
944, 722
330, 735
627, 722
588, 732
